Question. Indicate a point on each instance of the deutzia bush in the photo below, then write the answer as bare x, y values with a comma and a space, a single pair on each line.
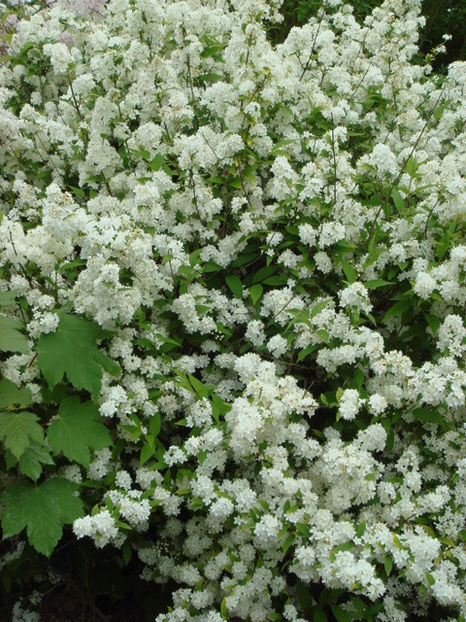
233, 288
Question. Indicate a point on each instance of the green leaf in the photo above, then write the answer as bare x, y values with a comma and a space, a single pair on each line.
433, 321
42, 510
18, 430
375, 283
200, 390
319, 616
77, 431
388, 564
340, 614
11, 340
223, 609
147, 451
10, 394
398, 201
7, 298
255, 293
360, 529
430, 579
235, 285
31, 461
319, 306
263, 273
304, 596
290, 540
72, 350
398, 308
429, 416
155, 424
350, 273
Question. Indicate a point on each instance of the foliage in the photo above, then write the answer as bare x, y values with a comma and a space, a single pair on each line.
232, 274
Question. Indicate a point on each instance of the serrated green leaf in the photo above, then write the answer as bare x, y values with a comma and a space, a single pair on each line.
388, 564
235, 285
72, 350
7, 298
11, 340
77, 431
10, 395
42, 510
18, 430
31, 461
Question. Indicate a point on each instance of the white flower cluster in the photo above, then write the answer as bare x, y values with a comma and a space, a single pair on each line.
273, 236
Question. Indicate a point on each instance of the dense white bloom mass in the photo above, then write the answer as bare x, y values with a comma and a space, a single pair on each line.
272, 238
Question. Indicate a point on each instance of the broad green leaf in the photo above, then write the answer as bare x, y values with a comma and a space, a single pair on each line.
77, 431
264, 272
72, 350
11, 395
18, 430
31, 461
42, 510
147, 451
255, 293
388, 564
11, 340
235, 285
7, 298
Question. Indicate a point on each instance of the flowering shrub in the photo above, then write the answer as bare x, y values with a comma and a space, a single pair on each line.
233, 283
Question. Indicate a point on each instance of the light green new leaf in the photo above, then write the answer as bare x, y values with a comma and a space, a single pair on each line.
11, 395
31, 461
18, 430
43, 510
11, 340
72, 350
77, 431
